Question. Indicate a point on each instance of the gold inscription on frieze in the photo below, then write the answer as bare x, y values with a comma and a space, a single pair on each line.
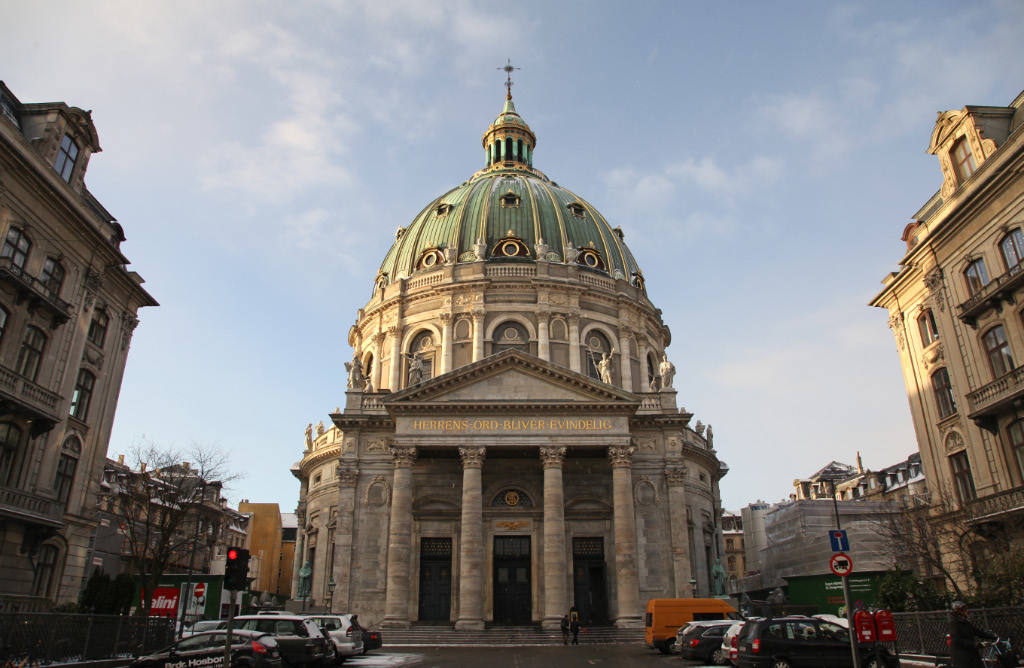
512, 425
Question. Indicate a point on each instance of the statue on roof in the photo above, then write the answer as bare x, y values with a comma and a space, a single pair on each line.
668, 372
355, 372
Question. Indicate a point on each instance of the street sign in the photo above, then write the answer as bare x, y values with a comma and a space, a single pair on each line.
840, 543
200, 590
841, 564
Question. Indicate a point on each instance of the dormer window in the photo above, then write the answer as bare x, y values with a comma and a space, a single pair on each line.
510, 246
510, 199
443, 209
576, 209
590, 257
432, 257
963, 159
66, 157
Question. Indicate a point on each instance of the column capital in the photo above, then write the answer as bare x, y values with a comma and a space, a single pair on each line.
478, 313
404, 456
676, 474
621, 456
393, 330
472, 457
552, 457
574, 318
445, 317
347, 477
543, 312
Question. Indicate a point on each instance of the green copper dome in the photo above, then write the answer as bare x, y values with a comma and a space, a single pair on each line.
509, 212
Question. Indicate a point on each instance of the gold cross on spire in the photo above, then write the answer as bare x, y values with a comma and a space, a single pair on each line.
508, 81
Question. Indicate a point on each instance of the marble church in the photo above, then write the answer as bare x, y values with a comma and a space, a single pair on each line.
510, 443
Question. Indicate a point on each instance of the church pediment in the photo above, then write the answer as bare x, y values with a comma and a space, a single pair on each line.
511, 377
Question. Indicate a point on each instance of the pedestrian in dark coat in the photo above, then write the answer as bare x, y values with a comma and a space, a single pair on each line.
574, 624
963, 639
565, 629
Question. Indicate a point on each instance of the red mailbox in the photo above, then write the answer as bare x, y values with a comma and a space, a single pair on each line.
886, 626
864, 622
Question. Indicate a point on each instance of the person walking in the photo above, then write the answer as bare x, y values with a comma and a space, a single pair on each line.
963, 638
574, 624
565, 629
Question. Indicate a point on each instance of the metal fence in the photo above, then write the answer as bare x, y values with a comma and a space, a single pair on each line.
925, 632
63, 638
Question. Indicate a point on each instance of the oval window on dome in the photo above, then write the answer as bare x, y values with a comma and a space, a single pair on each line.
510, 248
430, 258
590, 257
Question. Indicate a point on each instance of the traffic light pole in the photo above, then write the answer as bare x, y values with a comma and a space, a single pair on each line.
851, 627
233, 594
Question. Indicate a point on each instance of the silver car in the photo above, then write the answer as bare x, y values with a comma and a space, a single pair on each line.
348, 639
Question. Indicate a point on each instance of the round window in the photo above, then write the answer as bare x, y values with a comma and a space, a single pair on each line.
590, 259
429, 260
510, 248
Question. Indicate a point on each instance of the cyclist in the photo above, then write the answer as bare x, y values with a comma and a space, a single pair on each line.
963, 637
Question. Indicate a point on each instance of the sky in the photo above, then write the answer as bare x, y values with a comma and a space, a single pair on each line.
762, 159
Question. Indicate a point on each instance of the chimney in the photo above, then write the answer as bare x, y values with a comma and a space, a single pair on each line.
185, 465
142, 469
120, 460
860, 465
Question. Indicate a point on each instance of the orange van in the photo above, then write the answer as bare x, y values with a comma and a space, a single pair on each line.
666, 615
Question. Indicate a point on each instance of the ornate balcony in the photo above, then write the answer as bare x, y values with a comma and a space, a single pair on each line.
36, 402
996, 507
33, 292
992, 296
30, 508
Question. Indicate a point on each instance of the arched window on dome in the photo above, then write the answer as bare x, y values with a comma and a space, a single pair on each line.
424, 351
511, 336
520, 154
595, 347
508, 149
652, 373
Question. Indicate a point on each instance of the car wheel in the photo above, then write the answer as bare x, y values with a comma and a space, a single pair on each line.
875, 661
719, 657
668, 647
781, 663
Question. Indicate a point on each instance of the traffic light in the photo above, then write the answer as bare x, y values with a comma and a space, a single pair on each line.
236, 570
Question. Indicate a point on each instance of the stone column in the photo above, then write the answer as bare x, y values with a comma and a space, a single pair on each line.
627, 578
555, 592
679, 531
378, 350
478, 335
396, 602
471, 546
395, 382
627, 371
645, 380
574, 343
446, 342
543, 342
347, 478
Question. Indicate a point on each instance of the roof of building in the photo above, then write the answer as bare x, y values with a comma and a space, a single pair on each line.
516, 212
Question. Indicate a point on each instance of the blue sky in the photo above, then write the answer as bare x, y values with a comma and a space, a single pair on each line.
762, 159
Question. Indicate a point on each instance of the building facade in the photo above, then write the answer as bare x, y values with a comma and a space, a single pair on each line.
68, 308
956, 311
270, 562
510, 444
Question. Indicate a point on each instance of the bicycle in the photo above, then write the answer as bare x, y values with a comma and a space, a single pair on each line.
999, 653
22, 660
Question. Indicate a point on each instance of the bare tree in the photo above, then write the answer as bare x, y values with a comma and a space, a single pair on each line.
163, 499
949, 539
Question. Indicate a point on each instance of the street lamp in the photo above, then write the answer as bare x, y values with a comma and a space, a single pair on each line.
330, 587
693, 587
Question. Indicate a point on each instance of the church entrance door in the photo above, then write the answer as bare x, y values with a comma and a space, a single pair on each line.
589, 579
512, 591
435, 579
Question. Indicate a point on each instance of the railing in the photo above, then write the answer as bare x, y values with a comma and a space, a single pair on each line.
994, 504
7, 265
1001, 388
650, 402
994, 291
597, 281
25, 503
429, 279
371, 403
63, 638
511, 271
924, 633
24, 389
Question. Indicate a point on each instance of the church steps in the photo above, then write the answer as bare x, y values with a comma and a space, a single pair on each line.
429, 635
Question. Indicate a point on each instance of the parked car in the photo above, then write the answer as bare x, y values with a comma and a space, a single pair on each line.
730, 641
302, 643
249, 649
205, 625
788, 642
702, 641
371, 639
346, 636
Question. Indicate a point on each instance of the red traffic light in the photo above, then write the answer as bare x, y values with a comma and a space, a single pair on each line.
232, 554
